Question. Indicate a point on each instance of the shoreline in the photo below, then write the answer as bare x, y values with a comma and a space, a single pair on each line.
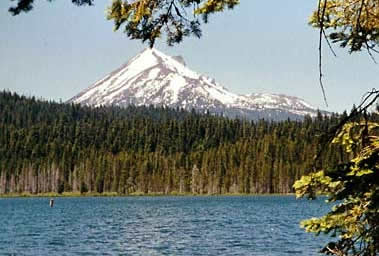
114, 194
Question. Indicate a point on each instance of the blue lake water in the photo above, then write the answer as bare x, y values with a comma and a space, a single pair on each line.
248, 225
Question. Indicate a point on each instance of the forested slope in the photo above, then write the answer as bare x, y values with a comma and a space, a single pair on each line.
51, 147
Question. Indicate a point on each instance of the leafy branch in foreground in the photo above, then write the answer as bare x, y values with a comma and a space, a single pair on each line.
354, 189
146, 20
353, 23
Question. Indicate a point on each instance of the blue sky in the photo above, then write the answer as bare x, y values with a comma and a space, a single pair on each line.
58, 49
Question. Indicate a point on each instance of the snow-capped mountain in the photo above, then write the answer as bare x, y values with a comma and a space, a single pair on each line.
153, 78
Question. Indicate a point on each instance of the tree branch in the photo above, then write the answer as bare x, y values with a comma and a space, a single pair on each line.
321, 14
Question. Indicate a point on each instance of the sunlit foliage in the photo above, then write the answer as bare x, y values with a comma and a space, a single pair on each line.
148, 19
353, 188
352, 23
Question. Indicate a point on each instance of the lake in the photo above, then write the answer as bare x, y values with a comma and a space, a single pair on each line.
215, 225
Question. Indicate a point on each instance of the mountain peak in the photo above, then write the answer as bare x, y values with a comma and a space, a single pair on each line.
149, 53
154, 78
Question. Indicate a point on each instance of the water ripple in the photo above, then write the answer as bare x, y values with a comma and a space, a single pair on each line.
263, 225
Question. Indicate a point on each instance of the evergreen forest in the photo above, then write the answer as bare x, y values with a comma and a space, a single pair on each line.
56, 147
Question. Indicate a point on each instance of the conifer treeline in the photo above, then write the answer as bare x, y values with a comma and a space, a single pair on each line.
51, 147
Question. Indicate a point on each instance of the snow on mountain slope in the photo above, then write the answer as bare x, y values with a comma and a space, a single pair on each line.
153, 78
